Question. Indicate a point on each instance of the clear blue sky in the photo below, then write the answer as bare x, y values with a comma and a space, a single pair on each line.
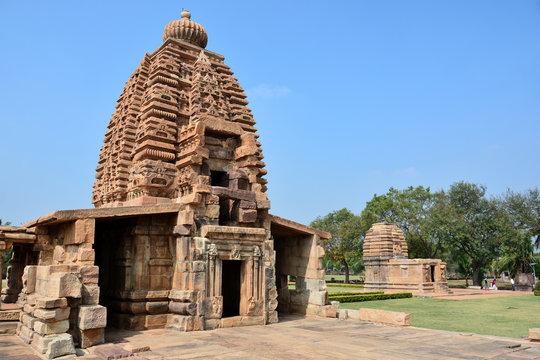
350, 97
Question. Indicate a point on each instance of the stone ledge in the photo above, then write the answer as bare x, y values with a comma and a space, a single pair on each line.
217, 232
10, 315
395, 318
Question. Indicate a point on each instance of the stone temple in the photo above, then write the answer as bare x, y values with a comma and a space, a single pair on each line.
389, 268
180, 236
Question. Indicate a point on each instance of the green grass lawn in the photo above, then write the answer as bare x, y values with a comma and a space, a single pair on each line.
341, 277
510, 316
4, 283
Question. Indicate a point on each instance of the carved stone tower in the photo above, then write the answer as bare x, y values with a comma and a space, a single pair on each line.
181, 126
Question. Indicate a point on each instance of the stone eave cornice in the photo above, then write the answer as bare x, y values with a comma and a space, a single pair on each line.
61, 216
298, 227
17, 234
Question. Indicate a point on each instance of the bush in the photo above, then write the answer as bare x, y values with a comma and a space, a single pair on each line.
373, 297
536, 292
346, 285
457, 286
355, 293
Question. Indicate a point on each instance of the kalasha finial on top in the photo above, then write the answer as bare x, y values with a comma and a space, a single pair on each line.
185, 14
186, 30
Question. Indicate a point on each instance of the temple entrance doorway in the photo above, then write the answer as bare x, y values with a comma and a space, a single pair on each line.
231, 287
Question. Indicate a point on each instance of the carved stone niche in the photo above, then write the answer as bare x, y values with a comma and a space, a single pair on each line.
251, 299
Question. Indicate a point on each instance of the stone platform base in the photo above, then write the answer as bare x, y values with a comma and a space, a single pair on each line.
10, 315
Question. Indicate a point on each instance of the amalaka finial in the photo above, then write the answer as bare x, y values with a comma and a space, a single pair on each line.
186, 30
185, 14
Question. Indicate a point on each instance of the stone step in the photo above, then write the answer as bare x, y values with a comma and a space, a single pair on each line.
9, 315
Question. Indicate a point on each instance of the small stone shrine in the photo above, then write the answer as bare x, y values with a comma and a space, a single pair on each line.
389, 268
180, 236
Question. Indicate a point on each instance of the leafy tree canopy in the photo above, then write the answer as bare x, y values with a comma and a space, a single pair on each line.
411, 210
345, 246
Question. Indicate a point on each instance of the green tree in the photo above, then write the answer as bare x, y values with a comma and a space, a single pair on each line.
411, 210
524, 210
517, 255
7, 255
345, 246
472, 226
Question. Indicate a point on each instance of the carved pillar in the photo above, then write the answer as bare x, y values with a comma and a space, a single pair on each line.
218, 278
2, 255
212, 254
256, 273
250, 279
14, 274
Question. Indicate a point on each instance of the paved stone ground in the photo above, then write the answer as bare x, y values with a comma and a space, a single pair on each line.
307, 338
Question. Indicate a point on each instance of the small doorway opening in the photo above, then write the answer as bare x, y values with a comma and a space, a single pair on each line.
231, 285
432, 273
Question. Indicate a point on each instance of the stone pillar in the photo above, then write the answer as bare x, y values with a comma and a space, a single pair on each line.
14, 275
212, 286
2, 255
256, 273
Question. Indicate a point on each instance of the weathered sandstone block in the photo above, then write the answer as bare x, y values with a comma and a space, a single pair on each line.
60, 346
157, 307
183, 308
25, 333
48, 328
381, 316
28, 309
80, 231
50, 303
318, 297
155, 321
92, 317
89, 274
90, 294
52, 315
29, 276
91, 337
27, 320
41, 343
64, 285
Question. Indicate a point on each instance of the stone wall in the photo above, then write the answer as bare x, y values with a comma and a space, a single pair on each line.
300, 256
135, 256
60, 308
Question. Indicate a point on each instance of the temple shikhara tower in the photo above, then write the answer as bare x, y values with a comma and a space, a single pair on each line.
180, 236
181, 126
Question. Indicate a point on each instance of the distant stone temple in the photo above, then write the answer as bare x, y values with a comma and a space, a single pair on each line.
389, 268
180, 236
